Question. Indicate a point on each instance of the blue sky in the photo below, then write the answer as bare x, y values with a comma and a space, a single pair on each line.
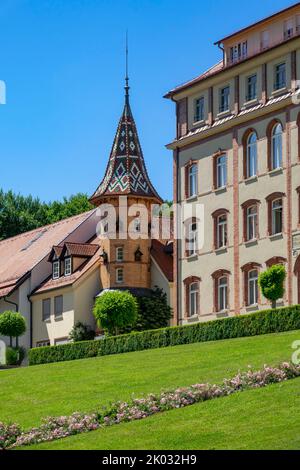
63, 64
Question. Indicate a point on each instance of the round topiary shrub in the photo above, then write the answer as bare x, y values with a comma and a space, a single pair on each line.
81, 332
12, 324
271, 283
115, 310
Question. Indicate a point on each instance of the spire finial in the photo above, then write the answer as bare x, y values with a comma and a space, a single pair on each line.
127, 87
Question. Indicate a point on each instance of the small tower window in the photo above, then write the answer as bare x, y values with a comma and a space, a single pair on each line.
119, 275
55, 269
119, 254
68, 266
138, 255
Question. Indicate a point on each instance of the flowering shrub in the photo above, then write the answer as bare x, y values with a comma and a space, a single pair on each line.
8, 434
139, 408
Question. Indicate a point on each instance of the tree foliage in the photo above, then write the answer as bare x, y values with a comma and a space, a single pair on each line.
18, 214
12, 324
271, 283
81, 332
115, 310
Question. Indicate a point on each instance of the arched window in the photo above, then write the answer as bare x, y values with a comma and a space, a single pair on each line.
251, 291
193, 175
276, 146
251, 226
220, 228
252, 155
275, 213
191, 236
192, 296
221, 290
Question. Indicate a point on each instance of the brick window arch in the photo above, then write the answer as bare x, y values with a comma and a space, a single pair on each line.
251, 290
275, 144
191, 178
221, 289
249, 153
275, 260
220, 221
297, 273
275, 203
250, 219
192, 296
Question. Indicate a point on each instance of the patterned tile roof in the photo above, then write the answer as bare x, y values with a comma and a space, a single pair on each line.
126, 172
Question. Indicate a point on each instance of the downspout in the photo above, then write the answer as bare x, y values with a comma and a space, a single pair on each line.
223, 51
11, 303
31, 328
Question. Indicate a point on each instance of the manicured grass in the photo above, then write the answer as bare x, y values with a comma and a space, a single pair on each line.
267, 418
28, 394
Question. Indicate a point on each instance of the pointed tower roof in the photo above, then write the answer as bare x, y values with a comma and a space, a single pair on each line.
126, 172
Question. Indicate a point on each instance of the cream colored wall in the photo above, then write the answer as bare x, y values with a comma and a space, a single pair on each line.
208, 261
84, 295
54, 329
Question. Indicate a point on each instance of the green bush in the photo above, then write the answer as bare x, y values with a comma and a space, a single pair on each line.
12, 324
114, 310
271, 283
14, 356
258, 323
81, 332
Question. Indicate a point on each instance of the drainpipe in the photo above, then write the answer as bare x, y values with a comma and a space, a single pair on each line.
31, 328
11, 303
223, 51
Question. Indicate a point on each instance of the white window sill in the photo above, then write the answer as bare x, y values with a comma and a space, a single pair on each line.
192, 198
250, 308
58, 318
250, 179
276, 171
222, 249
199, 123
252, 242
221, 189
276, 236
48, 320
222, 313
192, 257
224, 114
249, 103
279, 91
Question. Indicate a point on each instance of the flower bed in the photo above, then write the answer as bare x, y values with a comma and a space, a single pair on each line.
139, 408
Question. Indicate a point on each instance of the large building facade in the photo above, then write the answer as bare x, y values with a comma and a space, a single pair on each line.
237, 152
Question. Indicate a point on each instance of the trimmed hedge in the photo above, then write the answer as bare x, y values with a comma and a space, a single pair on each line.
258, 323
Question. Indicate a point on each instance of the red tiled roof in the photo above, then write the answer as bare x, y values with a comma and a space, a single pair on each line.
64, 281
21, 253
160, 253
81, 249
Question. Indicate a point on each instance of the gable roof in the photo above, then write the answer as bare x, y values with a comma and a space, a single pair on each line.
19, 254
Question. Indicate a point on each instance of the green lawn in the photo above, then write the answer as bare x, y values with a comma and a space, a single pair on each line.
28, 394
267, 418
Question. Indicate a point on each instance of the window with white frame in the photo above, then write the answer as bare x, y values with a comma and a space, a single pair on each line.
46, 309
55, 269
251, 83
41, 344
192, 236
251, 215
277, 213
252, 155
222, 231
288, 30
224, 99
238, 52
120, 254
68, 266
280, 76
276, 146
193, 183
193, 299
221, 169
119, 275
252, 287
222, 293
199, 109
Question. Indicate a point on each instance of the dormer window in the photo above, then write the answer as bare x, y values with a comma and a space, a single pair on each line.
55, 269
68, 266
